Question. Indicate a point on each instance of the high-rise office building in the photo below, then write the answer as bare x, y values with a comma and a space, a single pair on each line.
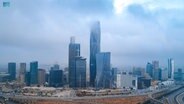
41, 76
34, 73
155, 70
171, 68
56, 78
74, 51
80, 72
163, 74
179, 75
94, 49
149, 69
28, 79
12, 70
22, 73
103, 77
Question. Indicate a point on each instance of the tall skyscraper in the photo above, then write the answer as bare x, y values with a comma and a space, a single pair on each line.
155, 70
149, 69
94, 49
12, 70
34, 73
103, 77
28, 79
74, 51
80, 72
41, 76
171, 68
22, 72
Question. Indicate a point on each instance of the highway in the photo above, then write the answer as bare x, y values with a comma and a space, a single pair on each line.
180, 98
5, 101
171, 98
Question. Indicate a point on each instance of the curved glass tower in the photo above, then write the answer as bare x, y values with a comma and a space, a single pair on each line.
94, 49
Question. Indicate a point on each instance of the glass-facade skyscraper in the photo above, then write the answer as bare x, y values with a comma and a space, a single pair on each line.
22, 72
74, 51
41, 76
155, 70
56, 78
12, 70
149, 69
171, 68
103, 77
80, 72
94, 49
34, 73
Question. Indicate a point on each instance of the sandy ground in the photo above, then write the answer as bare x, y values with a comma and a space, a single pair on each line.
128, 100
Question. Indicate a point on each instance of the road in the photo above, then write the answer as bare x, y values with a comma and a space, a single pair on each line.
171, 97
5, 101
180, 98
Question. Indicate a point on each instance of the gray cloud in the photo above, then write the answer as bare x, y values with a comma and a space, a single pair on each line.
40, 30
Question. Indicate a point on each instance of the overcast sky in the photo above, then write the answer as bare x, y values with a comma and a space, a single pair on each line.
134, 31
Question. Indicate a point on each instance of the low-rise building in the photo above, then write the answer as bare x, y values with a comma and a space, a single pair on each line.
126, 79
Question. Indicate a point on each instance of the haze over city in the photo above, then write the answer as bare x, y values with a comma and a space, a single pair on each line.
134, 31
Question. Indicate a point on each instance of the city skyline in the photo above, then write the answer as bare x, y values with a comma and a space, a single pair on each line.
92, 51
135, 32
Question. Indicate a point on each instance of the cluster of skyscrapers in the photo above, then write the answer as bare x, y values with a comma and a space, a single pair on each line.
30, 77
35, 76
100, 73
77, 66
99, 62
157, 73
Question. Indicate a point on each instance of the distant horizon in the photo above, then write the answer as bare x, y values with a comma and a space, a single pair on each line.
62, 66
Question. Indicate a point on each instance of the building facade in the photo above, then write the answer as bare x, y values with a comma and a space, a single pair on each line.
149, 69
12, 70
41, 77
163, 74
56, 78
155, 70
179, 75
22, 73
65, 76
34, 73
171, 68
143, 83
114, 73
80, 72
138, 71
103, 76
74, 51
126, 79
28, 79
55, 67
94, 49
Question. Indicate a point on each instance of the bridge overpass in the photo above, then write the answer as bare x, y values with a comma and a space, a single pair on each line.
180, 98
